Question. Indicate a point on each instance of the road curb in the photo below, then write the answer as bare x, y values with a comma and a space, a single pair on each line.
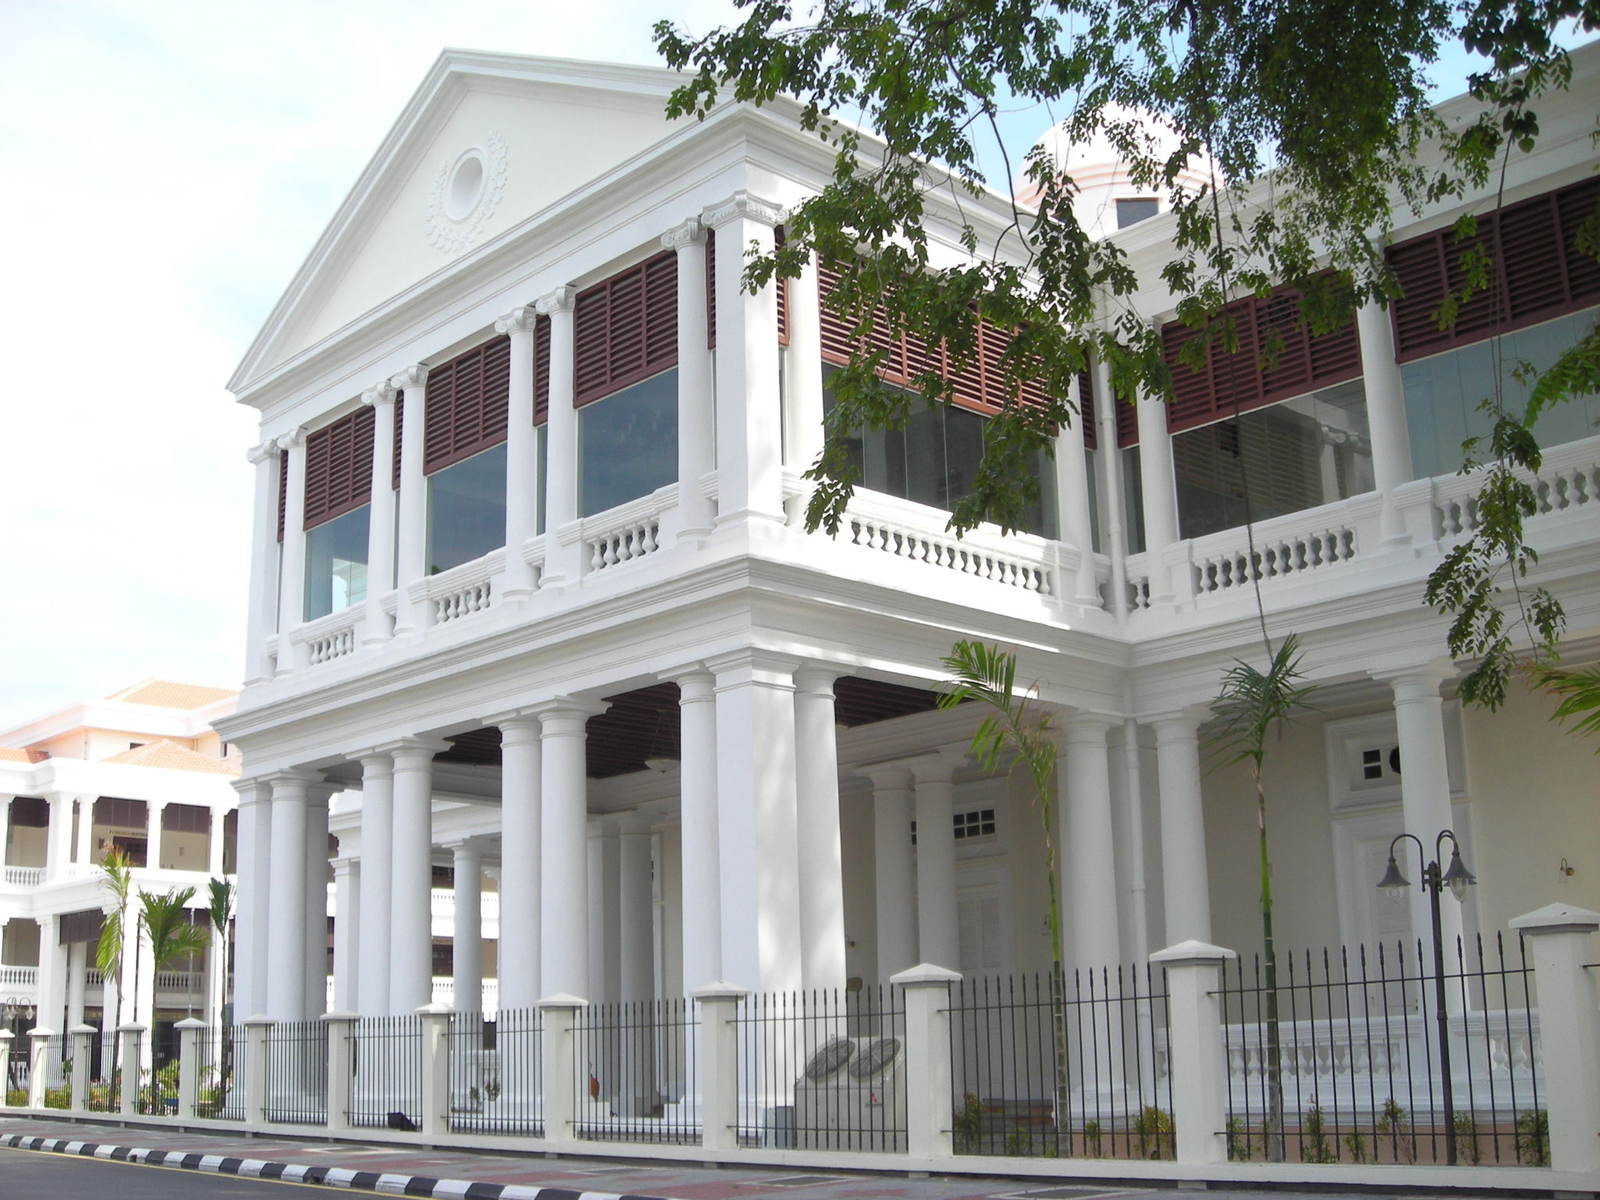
384, 1182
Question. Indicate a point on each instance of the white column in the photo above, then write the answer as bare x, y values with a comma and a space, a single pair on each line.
605, 963
1425, 792
696, 418
749, 421
1128, 773
1183, 829
520, 855
285, 988
697, 816
346, 934
377, 878
467, 944
564, 936
316, 852
822, 958
938, 933
1113, 528
561, 558
252, 936
380, 514
216, 842
1088, 844
1157, 488
803, 375
412, 551
893, 871
292, 571
1386, 412
522, 460
411, 887
58, 840
1073, 523
262, 610
84, 856
154, 812
756, 834
5, 829
636, 913
77, 982
52, 1005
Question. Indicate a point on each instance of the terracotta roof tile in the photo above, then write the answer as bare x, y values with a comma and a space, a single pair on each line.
173, 757
164, 693
7, 754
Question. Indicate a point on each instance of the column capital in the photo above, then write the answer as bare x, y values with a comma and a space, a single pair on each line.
379, 393
291, 777
755, 664
410, 378
1081, 728
252, 789
524, 714
518, 320
262, 451
374, 762
816, 679
1419, 682
682, 236
1183, 722
694, 678
412, 753
465, 847
566, 714
295, 437
346, 862
887, 776
746, 205
558, 300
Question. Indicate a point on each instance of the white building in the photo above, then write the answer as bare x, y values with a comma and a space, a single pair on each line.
530, 586
142, 771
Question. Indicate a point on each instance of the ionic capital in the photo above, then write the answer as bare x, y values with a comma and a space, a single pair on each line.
743, 204
295, 437
681, 236
410, 377
558, 301
379, 393
518, 320
261, 453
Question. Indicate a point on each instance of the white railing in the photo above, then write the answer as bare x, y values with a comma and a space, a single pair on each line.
330, 637
19, 976
180, 981
461, 591
1568, 479
914, 533
626, 533
24, 876
1296, 544
1137, 570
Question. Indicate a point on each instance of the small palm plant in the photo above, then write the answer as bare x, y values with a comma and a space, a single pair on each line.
220, 910
172, 934
117, 882
1250, 706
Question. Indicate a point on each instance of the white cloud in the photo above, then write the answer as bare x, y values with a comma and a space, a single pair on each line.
166, 167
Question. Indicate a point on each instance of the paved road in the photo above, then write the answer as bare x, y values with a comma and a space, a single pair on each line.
25, 1175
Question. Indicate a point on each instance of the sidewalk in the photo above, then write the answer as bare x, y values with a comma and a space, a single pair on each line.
410, 1170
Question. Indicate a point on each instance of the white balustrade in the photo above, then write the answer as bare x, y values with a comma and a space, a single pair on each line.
626, 533
913, 533
1137, 570
1568, 479
1296, 544
463, 590
19, 976
26, 877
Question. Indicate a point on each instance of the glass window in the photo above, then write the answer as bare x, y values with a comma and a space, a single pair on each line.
934, 460
542, 442
628, 444
336, 563
1297, 454
467, 510
1133, 209
1443, 394
1133, 498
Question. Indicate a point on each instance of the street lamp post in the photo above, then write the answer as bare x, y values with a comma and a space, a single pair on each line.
1457, 878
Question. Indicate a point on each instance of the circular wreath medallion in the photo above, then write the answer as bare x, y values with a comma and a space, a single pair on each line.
466, 192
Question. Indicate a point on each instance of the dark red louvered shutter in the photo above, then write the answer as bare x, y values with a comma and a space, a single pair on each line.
1278, 356
1086, 417
1537, 273
783, 293
283, 490
399, 428
541, 370
339, 467
625, 329
711, 289
467, 403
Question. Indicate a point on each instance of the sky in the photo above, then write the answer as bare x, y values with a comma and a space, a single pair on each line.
164, 168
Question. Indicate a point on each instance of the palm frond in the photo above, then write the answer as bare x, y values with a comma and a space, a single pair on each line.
117, 882
221, 905
166, 920
1579, 692
1252, 703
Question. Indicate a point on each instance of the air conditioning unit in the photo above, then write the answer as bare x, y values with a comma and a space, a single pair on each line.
852, 1096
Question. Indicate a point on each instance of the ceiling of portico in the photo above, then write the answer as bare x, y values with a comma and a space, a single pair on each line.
643, 724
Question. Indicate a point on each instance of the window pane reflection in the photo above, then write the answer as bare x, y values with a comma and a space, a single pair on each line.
467, 510
628, 444
336, 564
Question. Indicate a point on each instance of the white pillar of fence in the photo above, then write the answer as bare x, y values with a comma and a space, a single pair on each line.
1569, 1029
435, 1019
82, 1051
928, 1088
556, 1052
719, 1064
340, 1028
38, 1062
190, 1032
256, 1032
1198, 1066
131, 1057
7, 1038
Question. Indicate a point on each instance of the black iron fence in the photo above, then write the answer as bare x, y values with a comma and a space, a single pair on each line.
1062, 1066
105, 1075
386, 1061
823, 1070
1341, 1061
297, 1073
495, 1074
635, 1064
158, 1086
216, 1072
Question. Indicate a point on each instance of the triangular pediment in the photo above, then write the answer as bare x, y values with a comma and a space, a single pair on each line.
487, 141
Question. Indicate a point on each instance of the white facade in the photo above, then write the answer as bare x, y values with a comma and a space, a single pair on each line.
683, 740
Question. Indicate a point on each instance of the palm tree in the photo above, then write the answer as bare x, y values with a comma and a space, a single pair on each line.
165, 918
117, 881
221, 912
1251, 705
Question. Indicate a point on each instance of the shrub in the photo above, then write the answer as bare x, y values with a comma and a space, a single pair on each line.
1152, 1127
1315, 1147
1533, 1138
